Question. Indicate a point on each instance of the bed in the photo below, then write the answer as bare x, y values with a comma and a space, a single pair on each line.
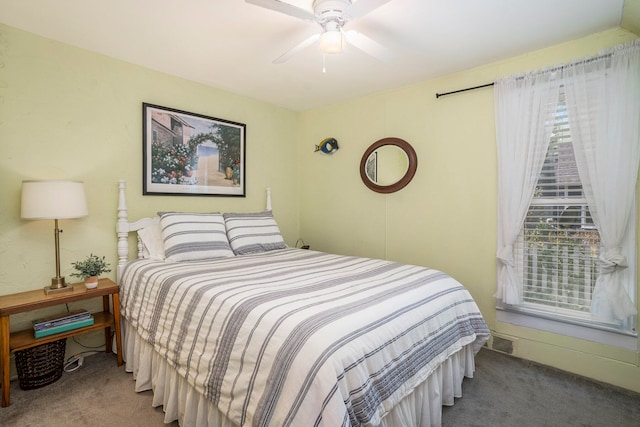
231, 327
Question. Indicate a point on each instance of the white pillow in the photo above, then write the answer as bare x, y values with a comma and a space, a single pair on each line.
194, 236
251, 233
151, 238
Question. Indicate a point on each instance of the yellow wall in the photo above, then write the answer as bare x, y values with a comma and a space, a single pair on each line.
631, 16
66, 113
446, 217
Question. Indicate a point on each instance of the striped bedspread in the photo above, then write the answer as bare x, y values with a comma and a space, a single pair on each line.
300, 338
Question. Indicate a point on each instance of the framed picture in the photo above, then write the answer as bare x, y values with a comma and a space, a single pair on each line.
190, 154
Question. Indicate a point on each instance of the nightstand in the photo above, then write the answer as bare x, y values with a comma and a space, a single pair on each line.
32, 300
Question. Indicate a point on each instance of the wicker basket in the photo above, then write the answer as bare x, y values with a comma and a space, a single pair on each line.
40, 366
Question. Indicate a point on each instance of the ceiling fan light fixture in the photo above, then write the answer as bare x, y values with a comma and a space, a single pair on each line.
331, 42
332, 16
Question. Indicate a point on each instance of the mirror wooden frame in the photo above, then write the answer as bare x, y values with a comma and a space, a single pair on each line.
408, 176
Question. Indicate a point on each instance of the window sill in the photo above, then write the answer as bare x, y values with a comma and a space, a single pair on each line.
625, 340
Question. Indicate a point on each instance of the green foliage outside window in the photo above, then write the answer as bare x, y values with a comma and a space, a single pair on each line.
560, 264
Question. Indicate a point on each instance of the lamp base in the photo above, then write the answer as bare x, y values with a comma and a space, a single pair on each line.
49, 290
57, 285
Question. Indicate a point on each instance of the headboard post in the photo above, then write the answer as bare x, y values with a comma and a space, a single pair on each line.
122, 229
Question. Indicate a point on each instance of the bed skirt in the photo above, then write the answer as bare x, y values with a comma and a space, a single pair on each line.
180, 401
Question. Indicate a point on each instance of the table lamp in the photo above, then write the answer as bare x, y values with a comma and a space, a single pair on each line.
54, 199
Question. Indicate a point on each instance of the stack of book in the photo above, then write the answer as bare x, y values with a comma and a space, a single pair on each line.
62, 322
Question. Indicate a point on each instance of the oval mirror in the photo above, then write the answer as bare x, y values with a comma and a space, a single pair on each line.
388, 165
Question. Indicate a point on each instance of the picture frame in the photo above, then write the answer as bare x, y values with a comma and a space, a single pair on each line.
189, 154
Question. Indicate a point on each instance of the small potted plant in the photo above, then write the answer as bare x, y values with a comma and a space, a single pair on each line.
89, 269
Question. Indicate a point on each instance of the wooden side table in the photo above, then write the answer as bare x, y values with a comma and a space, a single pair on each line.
32, 300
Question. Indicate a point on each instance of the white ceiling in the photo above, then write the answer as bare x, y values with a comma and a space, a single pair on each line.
230, 44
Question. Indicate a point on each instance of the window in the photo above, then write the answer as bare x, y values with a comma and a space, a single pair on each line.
568, 155
558, 246
556, 252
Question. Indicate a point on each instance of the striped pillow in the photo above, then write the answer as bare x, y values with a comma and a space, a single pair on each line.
194, 236
251, 233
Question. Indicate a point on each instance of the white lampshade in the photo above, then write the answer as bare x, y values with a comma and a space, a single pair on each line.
53, 200
331, 41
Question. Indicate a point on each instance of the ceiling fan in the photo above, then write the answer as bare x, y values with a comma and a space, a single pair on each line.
332, 16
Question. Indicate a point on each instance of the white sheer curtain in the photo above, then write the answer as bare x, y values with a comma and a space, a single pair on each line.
525, 109
603, 103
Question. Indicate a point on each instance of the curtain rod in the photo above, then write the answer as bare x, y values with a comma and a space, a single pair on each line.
558, 68
438, 95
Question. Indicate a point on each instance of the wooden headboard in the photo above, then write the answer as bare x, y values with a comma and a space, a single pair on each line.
124, 227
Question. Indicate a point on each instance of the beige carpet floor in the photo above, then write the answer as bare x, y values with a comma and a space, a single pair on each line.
510, 392
97, 394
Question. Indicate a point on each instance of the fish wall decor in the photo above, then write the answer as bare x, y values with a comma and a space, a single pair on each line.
328, 146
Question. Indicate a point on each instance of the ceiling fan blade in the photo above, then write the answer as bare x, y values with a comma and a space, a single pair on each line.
367, 45
307, 42
286, 8
362, 7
